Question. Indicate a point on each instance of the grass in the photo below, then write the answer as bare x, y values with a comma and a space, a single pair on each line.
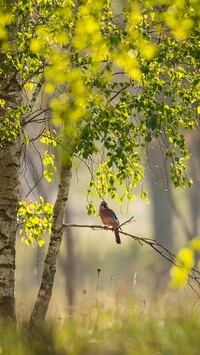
112, 323
102, 328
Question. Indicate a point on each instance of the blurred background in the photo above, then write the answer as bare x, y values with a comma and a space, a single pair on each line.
128, 271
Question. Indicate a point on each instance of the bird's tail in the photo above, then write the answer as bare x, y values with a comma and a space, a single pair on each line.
117, 237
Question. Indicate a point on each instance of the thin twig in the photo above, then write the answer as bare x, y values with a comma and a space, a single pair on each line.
193, 275
126, 222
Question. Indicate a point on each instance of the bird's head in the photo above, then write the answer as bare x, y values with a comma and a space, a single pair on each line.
104, 204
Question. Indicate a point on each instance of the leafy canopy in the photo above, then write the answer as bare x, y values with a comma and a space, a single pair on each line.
118, 76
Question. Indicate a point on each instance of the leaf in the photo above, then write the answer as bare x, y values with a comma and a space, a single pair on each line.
179, 274
41, 242
186, 256
179, 277
36, 219
195, 244
48, 175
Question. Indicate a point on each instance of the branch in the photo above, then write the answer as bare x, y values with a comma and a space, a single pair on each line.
118, 92
33, 99
194, 274
126, 222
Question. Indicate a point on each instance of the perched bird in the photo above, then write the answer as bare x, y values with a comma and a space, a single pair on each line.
109, 218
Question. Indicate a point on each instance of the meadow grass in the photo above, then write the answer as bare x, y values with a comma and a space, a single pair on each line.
102, 328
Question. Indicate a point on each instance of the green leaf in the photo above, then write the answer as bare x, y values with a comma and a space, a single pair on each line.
195, 244
36, 219
179, 274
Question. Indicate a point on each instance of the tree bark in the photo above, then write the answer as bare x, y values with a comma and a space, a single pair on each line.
9, 194
44, 295
10, 152
194, 193
68, 263
162, 211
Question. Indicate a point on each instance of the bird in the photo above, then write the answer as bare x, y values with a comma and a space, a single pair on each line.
109, 218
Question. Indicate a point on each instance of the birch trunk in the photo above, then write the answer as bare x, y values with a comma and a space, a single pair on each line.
9, 193
9, 197
44, 295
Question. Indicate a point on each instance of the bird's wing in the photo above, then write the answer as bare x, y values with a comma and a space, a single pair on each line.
113, 215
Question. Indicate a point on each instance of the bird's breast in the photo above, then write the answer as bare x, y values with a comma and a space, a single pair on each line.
107, 220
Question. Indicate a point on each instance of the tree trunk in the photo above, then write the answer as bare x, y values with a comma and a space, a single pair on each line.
70, 268
194, 193
9, 194
44, 295
162, 211
68, 263
9, 191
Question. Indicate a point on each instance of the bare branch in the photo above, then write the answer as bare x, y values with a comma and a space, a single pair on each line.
194, 274
128, 221
119, 91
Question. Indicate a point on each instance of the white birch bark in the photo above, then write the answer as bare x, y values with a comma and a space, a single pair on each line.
9, 195
9, 191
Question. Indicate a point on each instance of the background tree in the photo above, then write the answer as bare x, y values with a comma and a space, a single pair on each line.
118, 77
